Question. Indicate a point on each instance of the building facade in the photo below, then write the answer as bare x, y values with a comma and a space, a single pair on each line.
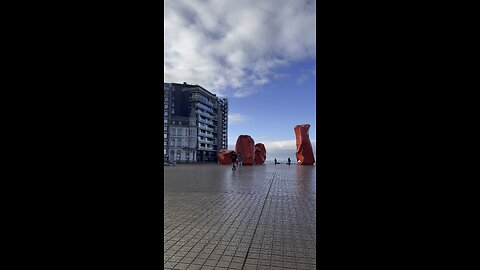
195, 123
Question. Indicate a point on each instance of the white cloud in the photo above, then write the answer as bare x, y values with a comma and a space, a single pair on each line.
232, 47
306, 73
280, 149
302, 79
277, 145
284, 149
244, 92
284, 145
236, 118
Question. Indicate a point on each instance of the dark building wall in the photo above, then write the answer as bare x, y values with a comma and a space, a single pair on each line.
182, 104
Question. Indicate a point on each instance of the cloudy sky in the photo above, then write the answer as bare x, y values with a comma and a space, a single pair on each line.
261, 55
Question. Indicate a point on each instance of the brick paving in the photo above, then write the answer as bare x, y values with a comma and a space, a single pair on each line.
259, 217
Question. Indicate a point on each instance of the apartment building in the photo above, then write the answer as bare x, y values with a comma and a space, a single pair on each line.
195, 123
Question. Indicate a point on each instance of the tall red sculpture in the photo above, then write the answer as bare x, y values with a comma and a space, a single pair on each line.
246, 146
304, 147
260, 153
225, 157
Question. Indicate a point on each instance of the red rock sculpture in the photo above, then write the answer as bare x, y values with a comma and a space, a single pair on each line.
225, 157
246, 146
260, 153
304, 146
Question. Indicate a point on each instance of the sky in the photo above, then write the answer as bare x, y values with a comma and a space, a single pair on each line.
261, 55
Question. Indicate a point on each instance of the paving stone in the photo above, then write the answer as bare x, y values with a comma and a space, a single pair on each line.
250, 267
187, 260
259, 217
210, 263
203, 256
181, 266
277, 264
194, 267
223, 264
235, 265
226, 258
289, 265
199, 261
169, 264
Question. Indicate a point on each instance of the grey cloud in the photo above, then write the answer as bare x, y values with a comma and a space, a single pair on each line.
231, 47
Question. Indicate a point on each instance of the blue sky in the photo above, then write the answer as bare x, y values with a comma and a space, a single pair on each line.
271, 114
261, 55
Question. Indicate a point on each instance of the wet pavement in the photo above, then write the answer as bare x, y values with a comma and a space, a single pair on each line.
258, 217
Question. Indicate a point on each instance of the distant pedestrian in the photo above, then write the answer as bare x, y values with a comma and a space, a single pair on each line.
289, 161
275, 161
234, 159
240, 160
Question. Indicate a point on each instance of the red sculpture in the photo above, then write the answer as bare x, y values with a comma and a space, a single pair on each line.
225, 157
260, 153
304, 147
246, 146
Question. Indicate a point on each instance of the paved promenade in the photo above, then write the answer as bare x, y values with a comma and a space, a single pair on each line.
258, 217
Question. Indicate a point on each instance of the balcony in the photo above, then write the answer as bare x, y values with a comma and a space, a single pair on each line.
205, 148
204, 114
206, 135
204, 108
203, 141
205, 128
204, 101
205, 121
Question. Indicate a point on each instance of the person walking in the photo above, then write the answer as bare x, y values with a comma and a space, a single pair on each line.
275, 161
289, 161
240, 160
234, 159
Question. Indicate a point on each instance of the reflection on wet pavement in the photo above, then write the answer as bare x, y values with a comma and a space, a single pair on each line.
257, 217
